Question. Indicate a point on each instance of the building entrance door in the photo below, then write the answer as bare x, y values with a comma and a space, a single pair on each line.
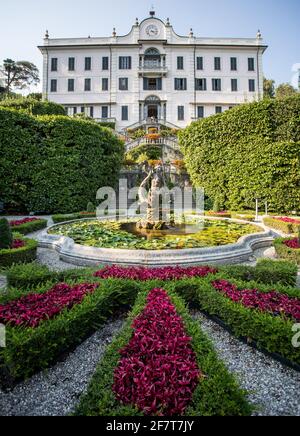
152, 111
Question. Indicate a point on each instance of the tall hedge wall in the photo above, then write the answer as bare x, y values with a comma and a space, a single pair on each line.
54, 164
33, 107
252, 151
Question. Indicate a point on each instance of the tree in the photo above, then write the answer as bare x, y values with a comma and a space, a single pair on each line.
285, 90
269, 88
19, 74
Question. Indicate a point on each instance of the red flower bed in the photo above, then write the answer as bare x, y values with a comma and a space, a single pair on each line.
293, 243
288, 220
32, 309
158, 371
18, 243
143, 273
22, 221
273, 302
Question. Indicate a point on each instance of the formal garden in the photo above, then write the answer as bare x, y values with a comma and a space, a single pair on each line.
109, 316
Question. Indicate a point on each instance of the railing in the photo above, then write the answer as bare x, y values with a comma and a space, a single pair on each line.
152, 122
169, 142
153, 68
105, 120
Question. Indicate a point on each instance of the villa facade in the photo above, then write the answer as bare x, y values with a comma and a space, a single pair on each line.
152, 73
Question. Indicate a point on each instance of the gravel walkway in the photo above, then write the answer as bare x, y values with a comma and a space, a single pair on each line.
56, 392
272, 387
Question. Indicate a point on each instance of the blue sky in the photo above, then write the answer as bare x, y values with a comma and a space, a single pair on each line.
23, 24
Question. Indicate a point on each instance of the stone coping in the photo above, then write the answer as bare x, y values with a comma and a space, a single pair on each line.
81, 255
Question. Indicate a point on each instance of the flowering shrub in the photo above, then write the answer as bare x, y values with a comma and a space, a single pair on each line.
293, 243
272, 302
22, 221
32, 309
158, 371
18, 243
288, 220
144, 274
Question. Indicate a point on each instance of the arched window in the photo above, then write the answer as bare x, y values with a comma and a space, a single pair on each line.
152, 52
152, 58
152, 99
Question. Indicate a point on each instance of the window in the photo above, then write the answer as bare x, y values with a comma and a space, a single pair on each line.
180, 113
71, 64
233, 64
200, 111
87, 84
104, 84
123, 84
152, 84
217, 64
199, 63
124, 113
251, 85
200, 85
54, 64
216, 84
218, 109
71, 85
82, 109
125, 62
251, 64
74, 110
92, 111
104, 111
234, 85
53, 86
88, 64
180, 63
180, 84
105, 63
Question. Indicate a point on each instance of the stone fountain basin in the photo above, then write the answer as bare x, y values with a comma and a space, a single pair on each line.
81, 255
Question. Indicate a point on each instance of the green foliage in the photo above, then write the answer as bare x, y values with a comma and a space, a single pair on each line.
281, 225
285, 90
284, 252
32, 349
62, 218
269, 88
32, 106
31, 227
217, 394
252, 151
6, 237
24, 254
90, 207
54, 164
19, 74
148, 151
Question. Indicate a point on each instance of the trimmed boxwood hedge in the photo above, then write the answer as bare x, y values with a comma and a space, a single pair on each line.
61, 218
285, 252
31, 227
55, 164
282, 226
251, 151
29, 350
24, 254
33, 106
217, 394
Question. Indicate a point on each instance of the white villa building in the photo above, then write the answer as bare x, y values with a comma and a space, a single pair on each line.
152, 73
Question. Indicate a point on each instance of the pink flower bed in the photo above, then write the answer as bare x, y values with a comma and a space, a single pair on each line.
293, 243
272, 302
288, 220
22, 221
143, 273
18, 243
158, 371
32, 309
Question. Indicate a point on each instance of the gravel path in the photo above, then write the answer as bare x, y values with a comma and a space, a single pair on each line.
56, 392
272, 387
3, 283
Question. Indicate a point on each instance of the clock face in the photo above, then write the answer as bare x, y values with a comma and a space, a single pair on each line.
152, 30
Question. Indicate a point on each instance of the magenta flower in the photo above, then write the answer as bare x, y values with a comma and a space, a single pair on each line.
144, 274
22, 221
158, 372
288, 220
32, 309
293, 243
272, 302
18, 243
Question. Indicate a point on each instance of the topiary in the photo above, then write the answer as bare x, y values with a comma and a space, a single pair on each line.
90, 207
6, 238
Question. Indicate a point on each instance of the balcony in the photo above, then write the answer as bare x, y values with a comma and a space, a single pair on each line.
152, 68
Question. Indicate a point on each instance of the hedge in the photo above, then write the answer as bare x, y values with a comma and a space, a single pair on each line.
33, 106
55, 164
217, 394
284, 252
29, 350
252, 151
31, 227
284, 227
153, 152
24, 254
61, 218
272, 334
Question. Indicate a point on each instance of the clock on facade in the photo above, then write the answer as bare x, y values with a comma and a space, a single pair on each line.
152, 30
